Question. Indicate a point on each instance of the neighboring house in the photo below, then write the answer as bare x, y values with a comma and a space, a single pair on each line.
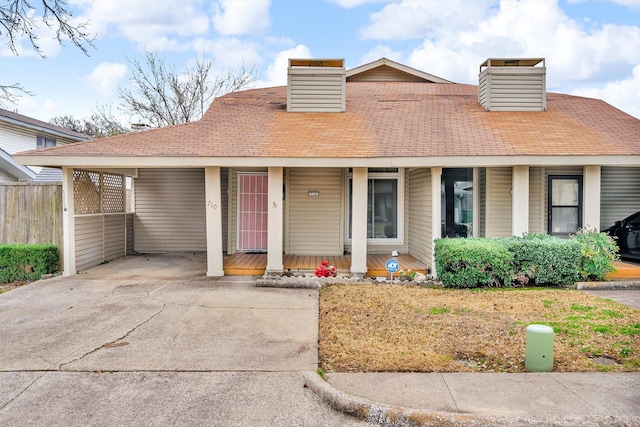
20, 133
378, 158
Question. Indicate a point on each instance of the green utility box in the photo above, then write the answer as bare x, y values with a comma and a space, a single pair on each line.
539, 349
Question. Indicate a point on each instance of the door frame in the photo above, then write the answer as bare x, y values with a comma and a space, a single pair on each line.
239, 213
550, 205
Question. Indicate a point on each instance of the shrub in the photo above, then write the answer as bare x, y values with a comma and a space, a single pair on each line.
599, 251
544, 260
471, 263
27, 262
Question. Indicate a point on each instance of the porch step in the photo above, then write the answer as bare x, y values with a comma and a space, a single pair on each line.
625, 270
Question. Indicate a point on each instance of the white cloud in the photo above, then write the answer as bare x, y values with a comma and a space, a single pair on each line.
145, 21
229, 52
233, 17
629, 3
622, 94
276, 74
425, 18
457, 39
106, 77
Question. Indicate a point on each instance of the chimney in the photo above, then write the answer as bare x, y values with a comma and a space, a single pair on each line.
513, 84
316, 85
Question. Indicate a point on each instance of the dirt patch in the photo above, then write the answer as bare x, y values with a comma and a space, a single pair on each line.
395, 328
6, 287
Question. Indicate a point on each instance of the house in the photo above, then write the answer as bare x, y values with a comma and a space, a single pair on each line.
20, 133
353, 164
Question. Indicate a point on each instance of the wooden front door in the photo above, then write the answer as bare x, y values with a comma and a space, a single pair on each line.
252, 212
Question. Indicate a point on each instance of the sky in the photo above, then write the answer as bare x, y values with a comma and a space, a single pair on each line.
591, 48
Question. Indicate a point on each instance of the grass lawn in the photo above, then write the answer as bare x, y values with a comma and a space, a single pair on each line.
397, 328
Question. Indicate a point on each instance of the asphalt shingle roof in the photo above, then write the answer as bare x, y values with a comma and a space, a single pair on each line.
382, 119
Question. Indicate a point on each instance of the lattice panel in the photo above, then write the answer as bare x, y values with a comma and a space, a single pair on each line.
113, 192
86, 189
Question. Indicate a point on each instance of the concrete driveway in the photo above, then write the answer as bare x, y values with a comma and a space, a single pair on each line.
150, 341
93, 322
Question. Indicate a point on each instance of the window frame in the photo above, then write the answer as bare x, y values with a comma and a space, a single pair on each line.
399, 177
41, 142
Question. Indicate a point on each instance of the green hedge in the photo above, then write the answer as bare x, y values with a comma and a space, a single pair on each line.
543, 260
472, 263
534, 259
27, 262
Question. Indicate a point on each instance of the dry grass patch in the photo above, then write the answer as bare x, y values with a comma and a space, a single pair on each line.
395, 328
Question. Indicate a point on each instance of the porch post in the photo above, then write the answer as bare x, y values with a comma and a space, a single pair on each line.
212, 185
591, 201
519, 200
436, 212
359, 222
68, 223
274, 241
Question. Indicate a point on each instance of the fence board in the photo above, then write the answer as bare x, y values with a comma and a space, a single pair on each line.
31, 213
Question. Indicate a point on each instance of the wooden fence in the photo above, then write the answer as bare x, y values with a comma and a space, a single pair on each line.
31, 213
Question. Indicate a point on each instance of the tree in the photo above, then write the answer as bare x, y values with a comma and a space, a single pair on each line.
100, 124
159, 96
17, 20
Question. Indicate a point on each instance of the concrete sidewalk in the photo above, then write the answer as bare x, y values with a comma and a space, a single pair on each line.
463, 399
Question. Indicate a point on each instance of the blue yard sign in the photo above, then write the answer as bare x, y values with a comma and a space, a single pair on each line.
392, 266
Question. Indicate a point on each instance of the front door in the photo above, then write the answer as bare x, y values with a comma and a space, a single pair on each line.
252, 212
564, 214
457, 202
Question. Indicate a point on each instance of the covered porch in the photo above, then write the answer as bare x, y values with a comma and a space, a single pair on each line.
244, 264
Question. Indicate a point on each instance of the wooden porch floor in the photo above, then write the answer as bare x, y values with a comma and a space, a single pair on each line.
625, 271
243, 264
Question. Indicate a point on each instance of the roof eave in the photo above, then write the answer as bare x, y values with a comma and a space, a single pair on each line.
134, 162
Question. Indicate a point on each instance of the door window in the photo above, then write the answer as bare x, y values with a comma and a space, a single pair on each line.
457, 202
565, 205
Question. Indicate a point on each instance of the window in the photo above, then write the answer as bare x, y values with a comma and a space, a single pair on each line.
564, 204
44, 142
383, 205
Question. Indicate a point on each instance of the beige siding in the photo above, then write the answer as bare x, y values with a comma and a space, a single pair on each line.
89, 244
483, 203
385, 73
483, 90
224, 182
322, 92
536, 202
620, 194
129, 233
314, 223
170, 211
498, 202
420, 236
114, 236
506, 89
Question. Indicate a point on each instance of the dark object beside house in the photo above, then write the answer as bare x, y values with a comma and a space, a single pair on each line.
627, 235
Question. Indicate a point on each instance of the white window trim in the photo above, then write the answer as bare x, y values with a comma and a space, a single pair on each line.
379, 241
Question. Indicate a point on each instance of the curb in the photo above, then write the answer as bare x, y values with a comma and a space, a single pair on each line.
608, 286
398, 416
